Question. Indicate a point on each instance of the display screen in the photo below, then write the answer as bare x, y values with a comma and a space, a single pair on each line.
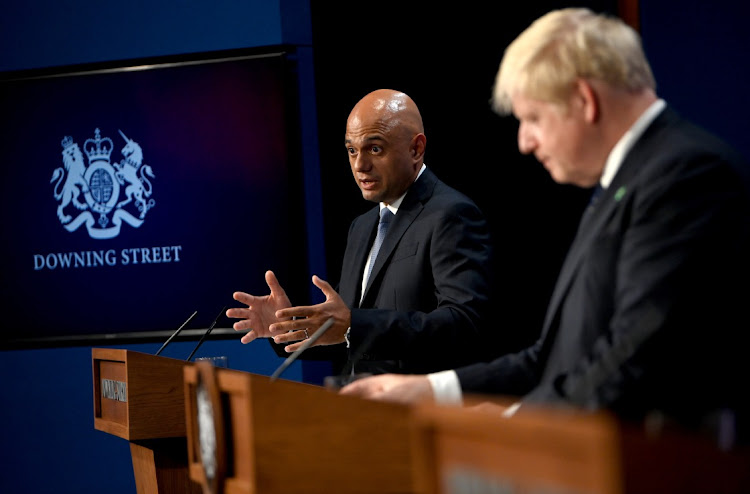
136, 195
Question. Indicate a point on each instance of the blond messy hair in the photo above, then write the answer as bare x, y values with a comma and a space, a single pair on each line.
545, 60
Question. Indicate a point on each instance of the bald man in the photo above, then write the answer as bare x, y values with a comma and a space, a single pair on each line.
422, 307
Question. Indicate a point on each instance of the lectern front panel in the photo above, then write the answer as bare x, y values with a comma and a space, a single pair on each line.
111, 397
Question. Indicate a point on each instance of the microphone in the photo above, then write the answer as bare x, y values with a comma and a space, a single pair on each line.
176, 333
291, 358
208, 331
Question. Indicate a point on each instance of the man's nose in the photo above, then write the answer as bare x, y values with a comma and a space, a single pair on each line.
360, 162
526, 142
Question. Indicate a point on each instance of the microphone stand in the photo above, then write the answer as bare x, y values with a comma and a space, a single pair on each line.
208, 331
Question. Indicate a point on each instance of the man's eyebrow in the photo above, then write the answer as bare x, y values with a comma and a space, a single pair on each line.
376, 137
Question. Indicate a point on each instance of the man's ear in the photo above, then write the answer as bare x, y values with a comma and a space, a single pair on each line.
588, 99
418, 144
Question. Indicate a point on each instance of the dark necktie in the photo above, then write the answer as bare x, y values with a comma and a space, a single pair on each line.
595, 195
593, 200
385, 220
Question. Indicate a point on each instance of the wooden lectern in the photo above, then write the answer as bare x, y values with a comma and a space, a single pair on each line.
288, 437
139, 397
470, 451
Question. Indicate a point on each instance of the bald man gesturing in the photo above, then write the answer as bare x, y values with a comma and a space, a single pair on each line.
419, 304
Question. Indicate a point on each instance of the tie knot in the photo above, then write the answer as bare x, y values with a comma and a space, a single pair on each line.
595, 194
385, 215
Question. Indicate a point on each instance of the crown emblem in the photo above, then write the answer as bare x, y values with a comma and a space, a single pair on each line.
67, 142
98, 149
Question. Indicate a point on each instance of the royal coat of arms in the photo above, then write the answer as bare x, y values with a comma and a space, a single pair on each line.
102, 195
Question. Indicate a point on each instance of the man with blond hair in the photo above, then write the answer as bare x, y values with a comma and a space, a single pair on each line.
647, 313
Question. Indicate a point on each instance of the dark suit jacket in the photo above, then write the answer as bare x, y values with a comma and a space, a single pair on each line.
650, 302
428, 294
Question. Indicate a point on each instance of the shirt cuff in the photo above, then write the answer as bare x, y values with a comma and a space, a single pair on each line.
511, 410
446, 387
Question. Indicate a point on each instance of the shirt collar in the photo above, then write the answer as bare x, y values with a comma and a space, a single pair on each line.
618, 153
395, 204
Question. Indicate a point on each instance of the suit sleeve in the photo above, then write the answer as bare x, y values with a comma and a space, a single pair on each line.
511, 374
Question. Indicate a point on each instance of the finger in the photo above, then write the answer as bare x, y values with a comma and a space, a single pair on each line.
286, 323
243, 297
238, 313
273, 283
293, 347
243, 325
291, 336
300, 313
250, 336
360, 387
286, 326
350, 389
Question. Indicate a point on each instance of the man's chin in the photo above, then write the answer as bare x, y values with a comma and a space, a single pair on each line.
557, 175
370, 195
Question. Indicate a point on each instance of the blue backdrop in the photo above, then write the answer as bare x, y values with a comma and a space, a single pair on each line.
49, 443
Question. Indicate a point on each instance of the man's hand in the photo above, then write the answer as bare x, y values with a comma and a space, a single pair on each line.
310, 318
260, 312
396, 388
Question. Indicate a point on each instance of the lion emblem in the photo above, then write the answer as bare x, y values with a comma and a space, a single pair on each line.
75, 168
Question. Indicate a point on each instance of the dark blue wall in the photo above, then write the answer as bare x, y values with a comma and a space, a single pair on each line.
46, 33
49, 443
699, 54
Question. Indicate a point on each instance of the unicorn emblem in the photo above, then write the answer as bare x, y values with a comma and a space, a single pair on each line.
131, 171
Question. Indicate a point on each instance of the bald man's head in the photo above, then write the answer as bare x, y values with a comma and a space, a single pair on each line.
386, 142
393, 108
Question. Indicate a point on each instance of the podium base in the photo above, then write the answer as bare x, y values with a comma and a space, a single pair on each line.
160, 466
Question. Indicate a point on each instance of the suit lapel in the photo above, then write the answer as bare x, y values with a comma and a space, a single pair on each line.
409, 210
589, 225
360, 240
623, 183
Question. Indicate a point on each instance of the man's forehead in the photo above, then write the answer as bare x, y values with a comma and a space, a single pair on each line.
523, 105
370, 128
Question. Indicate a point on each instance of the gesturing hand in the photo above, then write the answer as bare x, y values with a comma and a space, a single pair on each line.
260, 313
310, 318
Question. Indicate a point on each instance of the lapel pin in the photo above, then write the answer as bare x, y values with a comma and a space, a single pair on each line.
620, 192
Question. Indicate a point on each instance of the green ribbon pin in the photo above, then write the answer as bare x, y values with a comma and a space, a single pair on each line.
620, 192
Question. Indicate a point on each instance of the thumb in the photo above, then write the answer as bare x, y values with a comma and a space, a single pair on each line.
272, 282
324, 286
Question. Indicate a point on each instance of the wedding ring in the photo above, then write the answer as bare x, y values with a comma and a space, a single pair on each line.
306, 335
